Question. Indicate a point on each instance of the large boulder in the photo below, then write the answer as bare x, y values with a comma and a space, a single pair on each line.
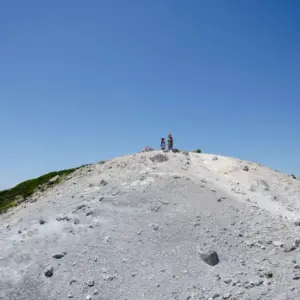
159, 158
210, 257
147, 149
53, 180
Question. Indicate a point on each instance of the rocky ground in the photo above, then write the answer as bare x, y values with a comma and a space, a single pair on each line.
157, 226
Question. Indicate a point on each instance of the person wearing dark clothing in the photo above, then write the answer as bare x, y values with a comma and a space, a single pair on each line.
170, 142
162, 144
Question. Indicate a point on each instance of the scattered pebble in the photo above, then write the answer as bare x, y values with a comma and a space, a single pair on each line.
90, 283
297, 223
58, 255
109, 278
103, 182
49, 272
79, 207
211, 257
278, 243
155, 227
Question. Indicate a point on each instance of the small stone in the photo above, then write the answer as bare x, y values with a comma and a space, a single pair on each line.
90, 283
96, 292
297, 223
58, 255
211, 258
70, 296
246, 168
89, 213
53, 180
103, 182
227, 281
79, 207
159, 158
76, 221
297, 267
268, 274
226, 296
258, 282
42, 221
155, 227
109, 277
65, 218
101, 199
49, 272
296, 277
289, 248
278, 243
19, 231
88, 297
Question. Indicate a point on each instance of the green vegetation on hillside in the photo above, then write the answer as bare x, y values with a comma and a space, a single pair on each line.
17, 194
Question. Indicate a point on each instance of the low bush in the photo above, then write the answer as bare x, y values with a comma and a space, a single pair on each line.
17, 194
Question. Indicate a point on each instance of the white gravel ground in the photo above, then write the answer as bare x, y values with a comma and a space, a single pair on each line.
135, 228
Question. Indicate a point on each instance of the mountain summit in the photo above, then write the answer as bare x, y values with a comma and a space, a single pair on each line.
156, 226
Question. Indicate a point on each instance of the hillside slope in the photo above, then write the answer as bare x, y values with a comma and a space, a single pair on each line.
141, 227
18, 194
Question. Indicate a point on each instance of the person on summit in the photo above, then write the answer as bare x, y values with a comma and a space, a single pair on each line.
170, 142
162, 144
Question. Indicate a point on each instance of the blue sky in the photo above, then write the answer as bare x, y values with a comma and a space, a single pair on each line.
82, 81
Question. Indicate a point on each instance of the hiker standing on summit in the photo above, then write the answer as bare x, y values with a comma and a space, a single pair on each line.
162, 144
170, 142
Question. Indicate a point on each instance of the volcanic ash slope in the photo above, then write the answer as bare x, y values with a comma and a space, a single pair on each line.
157, 226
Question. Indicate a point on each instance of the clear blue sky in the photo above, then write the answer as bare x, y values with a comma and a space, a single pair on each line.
82, 81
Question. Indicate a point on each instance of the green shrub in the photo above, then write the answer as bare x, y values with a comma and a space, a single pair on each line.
17, 194
198, 151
